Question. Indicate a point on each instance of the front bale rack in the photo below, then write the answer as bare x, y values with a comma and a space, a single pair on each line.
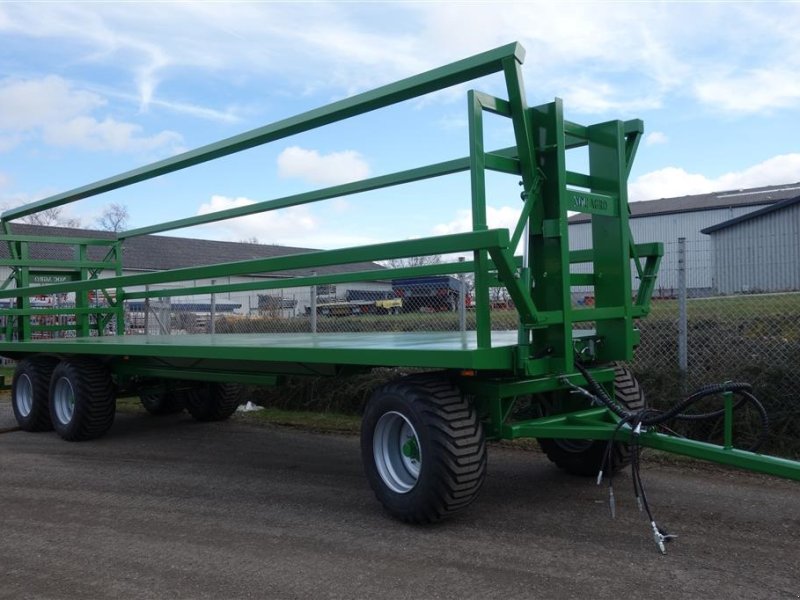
423, 436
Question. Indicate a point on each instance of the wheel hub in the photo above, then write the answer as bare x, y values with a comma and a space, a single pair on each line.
24, 395
397, 453
64, 400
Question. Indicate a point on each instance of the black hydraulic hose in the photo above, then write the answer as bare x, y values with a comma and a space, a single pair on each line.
652, 418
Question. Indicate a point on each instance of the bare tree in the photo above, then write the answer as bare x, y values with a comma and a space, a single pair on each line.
114, 218
251, 240
53, 217
413, 261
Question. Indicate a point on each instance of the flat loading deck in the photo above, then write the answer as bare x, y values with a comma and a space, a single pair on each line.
446, 349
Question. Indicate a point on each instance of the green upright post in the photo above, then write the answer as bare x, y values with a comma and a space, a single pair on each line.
477, 169
727, 398
611, 240
549, 242
527, 162
120, 295
24, 280
82, 296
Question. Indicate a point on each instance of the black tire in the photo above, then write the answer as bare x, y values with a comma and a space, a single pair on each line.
439, 468
81, 399
213, 402
30, 393
164, 402
585, 457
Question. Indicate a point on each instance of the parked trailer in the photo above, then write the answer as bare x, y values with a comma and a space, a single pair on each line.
423, 436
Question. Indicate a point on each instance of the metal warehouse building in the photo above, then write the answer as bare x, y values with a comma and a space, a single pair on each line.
668, 219
759, 251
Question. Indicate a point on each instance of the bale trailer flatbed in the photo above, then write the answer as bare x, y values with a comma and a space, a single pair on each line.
558, 377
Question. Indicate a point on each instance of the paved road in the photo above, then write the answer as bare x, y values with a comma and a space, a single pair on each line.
170, 508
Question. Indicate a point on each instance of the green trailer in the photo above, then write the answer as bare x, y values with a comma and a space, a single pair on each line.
424, 435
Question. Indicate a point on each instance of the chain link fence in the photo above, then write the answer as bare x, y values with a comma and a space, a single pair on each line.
722, 314
423, 304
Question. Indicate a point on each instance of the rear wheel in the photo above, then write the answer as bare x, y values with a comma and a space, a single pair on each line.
164, 401
81, 399
423, 449
30, 390
213, 402
585, 457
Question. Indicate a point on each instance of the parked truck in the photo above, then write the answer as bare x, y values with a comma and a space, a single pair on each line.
423, 437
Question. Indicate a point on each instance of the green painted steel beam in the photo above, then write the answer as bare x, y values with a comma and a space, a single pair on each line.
210, 375
447, 244
587, 256
67, 241
54, 263
742, 459
458, 72
600, 424
496, 161
373, 183
506, 268
507, 388
38, 312
634, 130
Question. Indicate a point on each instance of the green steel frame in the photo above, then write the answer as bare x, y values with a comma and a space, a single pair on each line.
497, 368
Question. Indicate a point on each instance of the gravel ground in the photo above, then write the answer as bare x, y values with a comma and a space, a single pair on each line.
170, 508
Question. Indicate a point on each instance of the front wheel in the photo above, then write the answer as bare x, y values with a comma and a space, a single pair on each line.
423, 449
585, 457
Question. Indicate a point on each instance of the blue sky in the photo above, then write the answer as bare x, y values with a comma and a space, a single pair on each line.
91, 89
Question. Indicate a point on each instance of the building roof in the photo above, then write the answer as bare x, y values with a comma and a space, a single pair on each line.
715, 200
159, 252
752, 215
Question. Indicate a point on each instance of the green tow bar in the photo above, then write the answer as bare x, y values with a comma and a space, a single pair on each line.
601, 424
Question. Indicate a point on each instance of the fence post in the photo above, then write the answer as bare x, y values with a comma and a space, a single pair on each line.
314, 305
213, 326
147, 311
462, 301
683, 346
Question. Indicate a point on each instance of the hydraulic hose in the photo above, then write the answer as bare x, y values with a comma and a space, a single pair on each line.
648, 417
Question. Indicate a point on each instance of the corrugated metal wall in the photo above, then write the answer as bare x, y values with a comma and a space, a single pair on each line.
667, 229
759, 255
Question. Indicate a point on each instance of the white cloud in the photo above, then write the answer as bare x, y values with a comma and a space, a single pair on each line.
593, 97
322, 169
89, 134
655, 138
753, 91
639, 52
26, 104
674, 181
286, 226
505, 216
53, 109
340, 205
453, 122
